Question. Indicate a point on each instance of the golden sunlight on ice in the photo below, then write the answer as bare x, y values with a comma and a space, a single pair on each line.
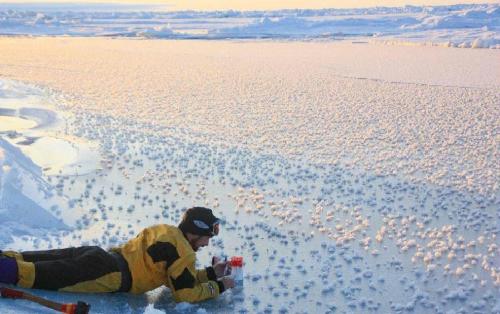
14, 123
327, 102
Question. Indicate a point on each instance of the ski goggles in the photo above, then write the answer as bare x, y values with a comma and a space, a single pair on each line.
212, 230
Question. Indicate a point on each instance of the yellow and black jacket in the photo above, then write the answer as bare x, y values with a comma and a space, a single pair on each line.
161, 255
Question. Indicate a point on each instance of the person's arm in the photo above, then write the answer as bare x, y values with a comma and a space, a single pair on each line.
218, 270
185, 285
206, 274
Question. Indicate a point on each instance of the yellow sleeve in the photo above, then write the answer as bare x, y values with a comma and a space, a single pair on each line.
206, 274
185, 284
201, 275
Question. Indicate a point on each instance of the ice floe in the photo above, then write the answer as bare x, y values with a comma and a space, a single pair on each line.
464, 26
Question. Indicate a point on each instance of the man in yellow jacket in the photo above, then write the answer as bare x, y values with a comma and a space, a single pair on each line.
159, 255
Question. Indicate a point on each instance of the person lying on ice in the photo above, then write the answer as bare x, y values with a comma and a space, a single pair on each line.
159, 255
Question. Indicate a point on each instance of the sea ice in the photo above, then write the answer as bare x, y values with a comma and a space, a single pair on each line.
368, 193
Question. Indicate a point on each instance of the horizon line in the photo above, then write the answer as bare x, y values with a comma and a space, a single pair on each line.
170, 6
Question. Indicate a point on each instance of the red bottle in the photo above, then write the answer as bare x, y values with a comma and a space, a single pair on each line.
236, 263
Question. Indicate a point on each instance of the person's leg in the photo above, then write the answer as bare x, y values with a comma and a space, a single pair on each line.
45, 255
10, 274
90, 269
52, 255
12, 254
8, 270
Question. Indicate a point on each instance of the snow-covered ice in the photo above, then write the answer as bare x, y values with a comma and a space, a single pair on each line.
352, 178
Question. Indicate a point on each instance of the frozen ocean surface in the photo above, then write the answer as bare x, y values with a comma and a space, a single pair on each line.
465, 26
352, 178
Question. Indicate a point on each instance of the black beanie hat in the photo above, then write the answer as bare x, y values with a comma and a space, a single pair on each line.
200, 221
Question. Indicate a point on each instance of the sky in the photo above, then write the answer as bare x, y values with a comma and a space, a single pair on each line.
265, 4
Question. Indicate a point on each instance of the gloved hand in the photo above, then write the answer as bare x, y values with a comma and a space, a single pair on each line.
228, 282
221, 268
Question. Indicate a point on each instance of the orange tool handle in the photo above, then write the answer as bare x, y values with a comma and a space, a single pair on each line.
11, 293
68, 308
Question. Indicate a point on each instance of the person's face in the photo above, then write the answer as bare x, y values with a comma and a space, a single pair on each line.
199, 242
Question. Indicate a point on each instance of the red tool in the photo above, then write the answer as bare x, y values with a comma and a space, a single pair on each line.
68, 308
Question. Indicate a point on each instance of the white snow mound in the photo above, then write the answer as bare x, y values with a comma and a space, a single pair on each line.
21, 183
